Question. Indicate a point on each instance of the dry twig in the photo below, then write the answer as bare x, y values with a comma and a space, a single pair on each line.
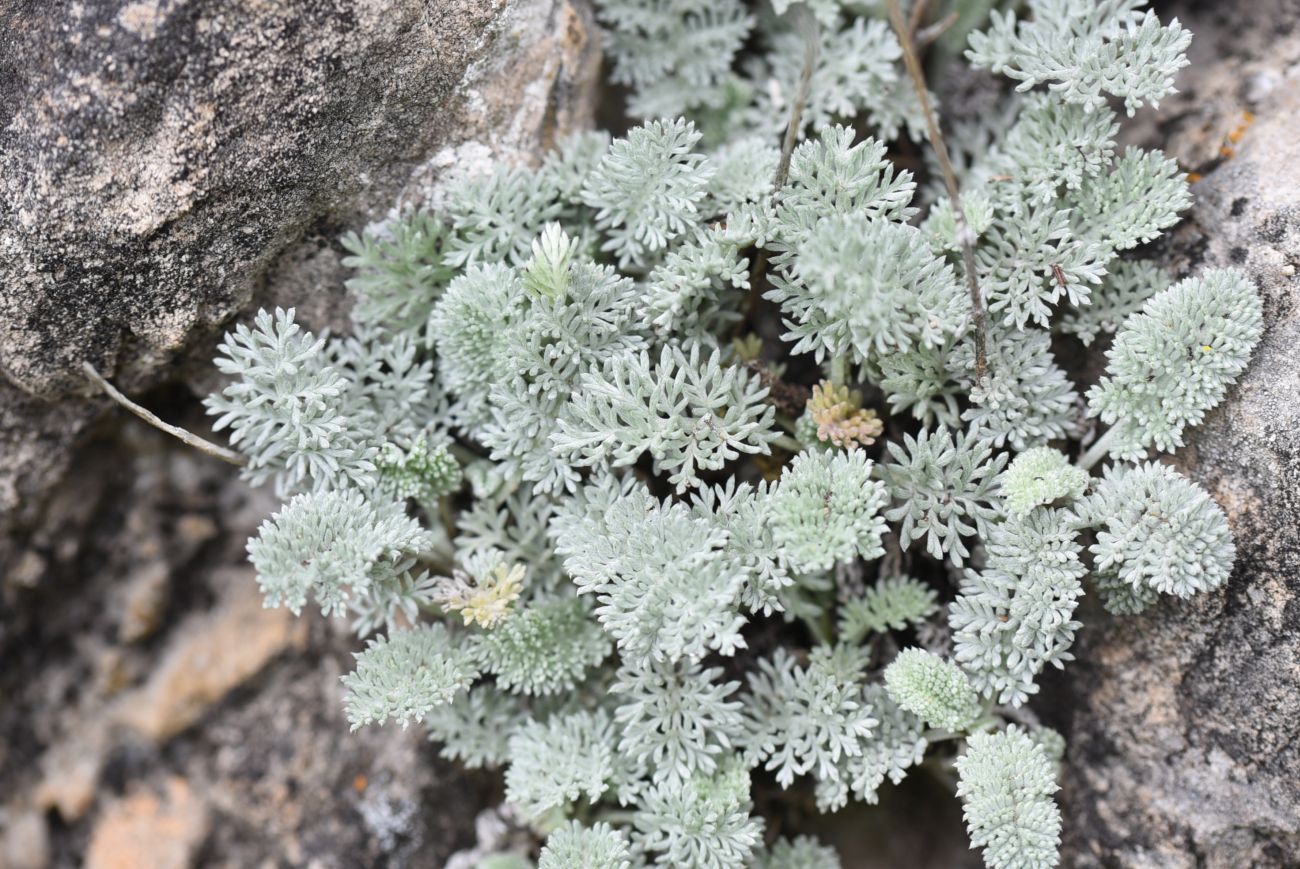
964, 234
181, 434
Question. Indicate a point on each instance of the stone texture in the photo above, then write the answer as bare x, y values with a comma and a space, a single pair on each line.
210, 655
70, 773
160, 159
242, 703
24, 840
143, 602
147, 830
1183, 723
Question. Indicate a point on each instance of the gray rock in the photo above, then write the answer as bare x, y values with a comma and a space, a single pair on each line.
92, 719
1183, 723
157, 157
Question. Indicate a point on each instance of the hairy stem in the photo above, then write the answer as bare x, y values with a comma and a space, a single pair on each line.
1097, 451
616, 816
820, 628
786, 442
934, 31
1022, 716
964, 235
839, 370
447, 517
203, 446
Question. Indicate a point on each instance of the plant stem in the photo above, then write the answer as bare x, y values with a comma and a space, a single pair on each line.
819, 628
462, 454
941, 771
446, 516
616, 816
786, 442
964, 235
1022, 716
839, 370
203, 446
808, 24
812, 37
938, 735
915, 19
1098, 450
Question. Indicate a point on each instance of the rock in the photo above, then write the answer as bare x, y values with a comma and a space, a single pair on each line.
70, 773
196, 529
24, 840
285, 782
157, 157
159, 153
1184, 721
292, 786
209, 656
144, 599
150, 831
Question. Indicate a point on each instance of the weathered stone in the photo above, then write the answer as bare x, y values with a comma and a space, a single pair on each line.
70, 773
144, 598
211, 655
24, 840
286, 782
150, 831
1184, 720
158, 156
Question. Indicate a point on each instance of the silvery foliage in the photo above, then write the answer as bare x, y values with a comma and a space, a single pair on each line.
1085, 51
331, 545
801, 852
1040, 477
892, 604
899, 744
943, 489
825, 509
406, 674
1006, 782
1016, 615
1175, 359
566, 758
933, 689
574, 846
562, 466
806, 719
1157, 533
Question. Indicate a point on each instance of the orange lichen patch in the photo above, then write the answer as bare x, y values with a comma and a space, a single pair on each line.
1193, 177
1247, 118
360, 783
1227, 152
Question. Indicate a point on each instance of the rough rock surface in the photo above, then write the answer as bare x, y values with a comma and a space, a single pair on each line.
158, 157
148, 831
1184, 722
165, 165
216, 734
